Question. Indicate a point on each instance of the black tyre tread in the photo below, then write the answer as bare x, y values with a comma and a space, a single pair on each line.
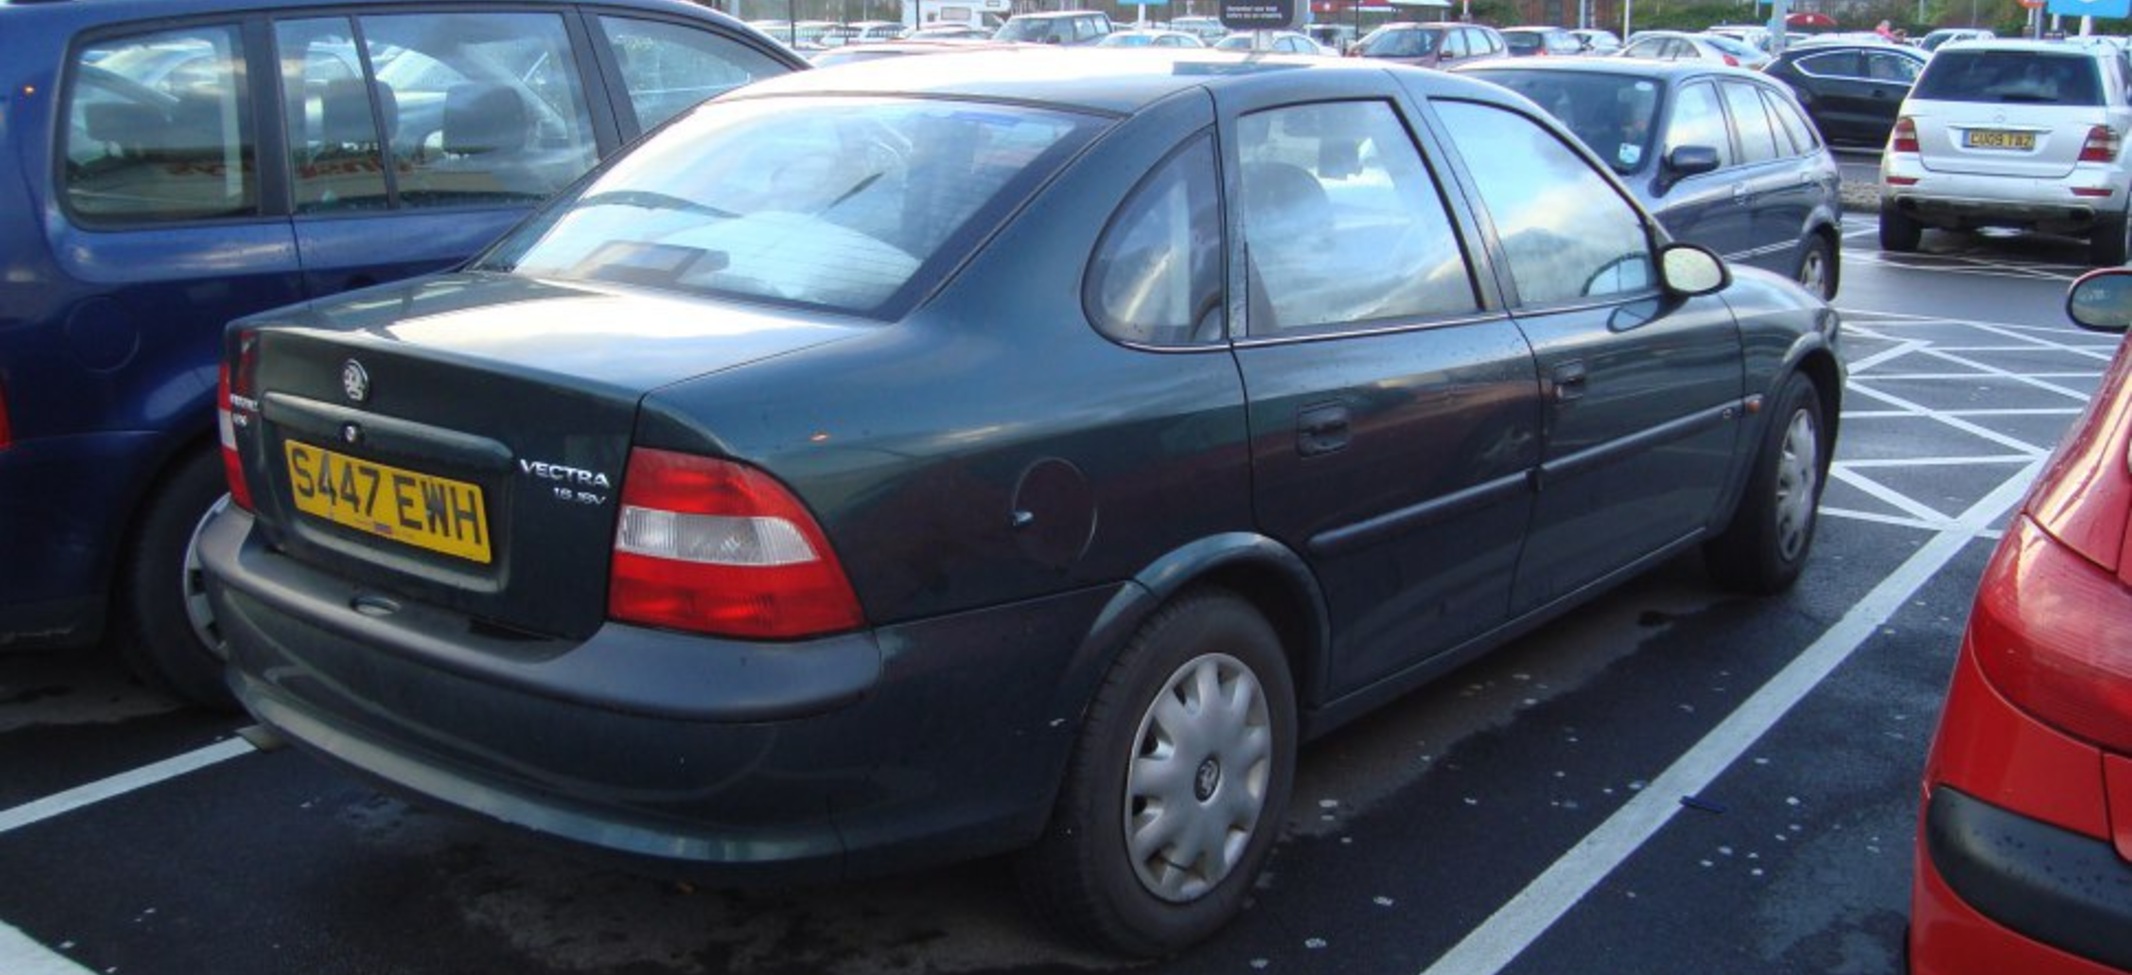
1744, 556
2106, 244
1815, 243
1056, 874
1898, 232
150, 629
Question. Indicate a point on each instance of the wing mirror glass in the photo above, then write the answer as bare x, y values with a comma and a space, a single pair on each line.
2101, 301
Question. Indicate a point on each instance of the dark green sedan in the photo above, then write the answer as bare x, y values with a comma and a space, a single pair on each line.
1020, 451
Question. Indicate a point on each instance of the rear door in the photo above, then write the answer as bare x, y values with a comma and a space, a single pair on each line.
1769, 180
1641, 389
1394, 418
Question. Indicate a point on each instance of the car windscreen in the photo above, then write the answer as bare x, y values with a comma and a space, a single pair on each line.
836, 203
2010, 77
1399, 44
1614, 114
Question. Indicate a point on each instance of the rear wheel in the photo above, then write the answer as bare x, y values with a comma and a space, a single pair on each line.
1898, 232
1817, 267
1178, 785
164, 629
2110, 242
1766, 544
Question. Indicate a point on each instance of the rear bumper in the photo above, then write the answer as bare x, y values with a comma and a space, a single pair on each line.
65, 505
1958, 201
729, 761
2016, 869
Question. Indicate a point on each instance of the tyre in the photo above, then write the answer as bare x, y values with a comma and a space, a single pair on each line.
163, 627
1771, 532
2108, 244
1178, 785
1817, 267
1898, 232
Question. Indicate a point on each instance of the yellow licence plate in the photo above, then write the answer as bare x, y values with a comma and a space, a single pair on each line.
1996, 139
422, 510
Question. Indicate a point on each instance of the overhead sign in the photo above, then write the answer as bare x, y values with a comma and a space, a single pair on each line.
2091, 8
1264, 14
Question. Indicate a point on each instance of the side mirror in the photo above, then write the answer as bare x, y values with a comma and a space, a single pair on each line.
1686, 161
1688, 269
2101, 301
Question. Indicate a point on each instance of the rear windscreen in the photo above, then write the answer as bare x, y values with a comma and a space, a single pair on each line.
2010, 77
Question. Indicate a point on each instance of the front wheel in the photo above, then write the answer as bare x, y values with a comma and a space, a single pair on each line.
1766, 544
164, 629
1178, 784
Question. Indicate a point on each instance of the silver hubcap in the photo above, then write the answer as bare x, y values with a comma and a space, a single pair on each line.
197, 611
1798, 467
1201, 763
1813, 273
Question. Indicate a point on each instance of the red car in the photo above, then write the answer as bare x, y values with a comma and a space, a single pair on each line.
2024, 846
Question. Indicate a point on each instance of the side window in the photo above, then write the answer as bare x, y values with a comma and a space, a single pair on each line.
1835, 64
159, 129
1157, 276
1758, 143
1456, 44
460, 108
1803, 137
1567, 233
1698, 121
1890, 67
1342, 222
669, 67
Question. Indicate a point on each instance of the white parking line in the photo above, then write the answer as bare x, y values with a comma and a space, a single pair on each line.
120, 784
21, 955
1513, 928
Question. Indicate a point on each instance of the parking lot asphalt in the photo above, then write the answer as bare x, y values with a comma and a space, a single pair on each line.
1670, 780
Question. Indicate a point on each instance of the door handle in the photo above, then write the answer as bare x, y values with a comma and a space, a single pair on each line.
1571, 381
1739, 192
1322, 429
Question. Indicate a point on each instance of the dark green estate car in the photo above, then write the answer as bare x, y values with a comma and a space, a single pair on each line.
1013, 451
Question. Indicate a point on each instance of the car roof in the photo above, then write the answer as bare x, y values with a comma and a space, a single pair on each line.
2020, 44
1087, 79
1659, 70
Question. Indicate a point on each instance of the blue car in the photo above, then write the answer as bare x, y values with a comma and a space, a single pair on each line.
169, 165
1724, 157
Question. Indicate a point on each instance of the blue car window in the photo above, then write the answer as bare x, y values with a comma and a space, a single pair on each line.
1157, 275
159, 129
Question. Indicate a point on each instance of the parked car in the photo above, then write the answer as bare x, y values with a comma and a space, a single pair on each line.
1597, 41
148, 203
1068, 27
1431, 45
1851, 91
851, 53
2024, 840
2011, 133
1525, 42
1674, 45
1932, 40
1209, 29
1277, 42
740, 506
951, 32
1150, 38
1723, 156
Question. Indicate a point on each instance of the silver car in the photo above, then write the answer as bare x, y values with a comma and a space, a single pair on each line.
2008, 133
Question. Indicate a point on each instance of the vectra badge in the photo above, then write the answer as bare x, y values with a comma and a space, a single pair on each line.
355, 381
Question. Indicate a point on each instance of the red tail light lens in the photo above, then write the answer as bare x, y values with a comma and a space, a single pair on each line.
1730, 61
235, 408
1903, 138
2053, 631
2102, 145
718, 547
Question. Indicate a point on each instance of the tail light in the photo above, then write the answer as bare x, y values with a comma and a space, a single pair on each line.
718, 547
2053, 632
1903, 138
1730, 61
235, 407
2101, 146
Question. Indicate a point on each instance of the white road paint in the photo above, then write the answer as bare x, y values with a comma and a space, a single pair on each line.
20, 955
1522, 920
118, 785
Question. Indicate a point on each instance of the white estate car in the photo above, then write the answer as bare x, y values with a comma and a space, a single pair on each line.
2010, 133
